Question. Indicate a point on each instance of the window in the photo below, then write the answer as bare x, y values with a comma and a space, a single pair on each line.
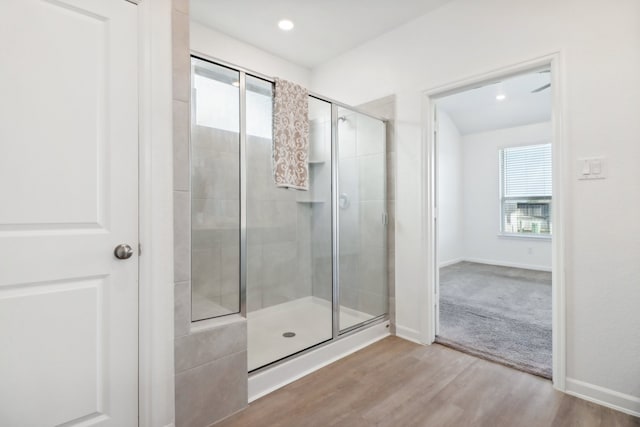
525, 174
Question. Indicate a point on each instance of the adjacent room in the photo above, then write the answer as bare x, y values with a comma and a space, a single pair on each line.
319, 213
494, 224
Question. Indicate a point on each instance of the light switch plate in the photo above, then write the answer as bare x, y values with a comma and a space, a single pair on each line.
591, 168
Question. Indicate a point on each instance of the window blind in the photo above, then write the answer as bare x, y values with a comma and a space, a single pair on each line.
527, 171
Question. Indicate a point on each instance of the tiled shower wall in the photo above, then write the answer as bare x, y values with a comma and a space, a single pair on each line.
215, 221
278, 234
210, 361
320, 176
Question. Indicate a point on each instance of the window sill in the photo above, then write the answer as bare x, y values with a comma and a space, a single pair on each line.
526, 236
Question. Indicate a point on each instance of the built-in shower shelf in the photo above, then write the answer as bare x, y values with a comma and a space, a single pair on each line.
310, 201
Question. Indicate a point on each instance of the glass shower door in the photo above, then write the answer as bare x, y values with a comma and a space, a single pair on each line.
362, 245
288, 285
215, 191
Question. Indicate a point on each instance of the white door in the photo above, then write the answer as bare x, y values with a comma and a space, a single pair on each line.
68, 196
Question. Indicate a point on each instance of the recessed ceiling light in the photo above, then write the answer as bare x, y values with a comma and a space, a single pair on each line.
501, 97
285, 25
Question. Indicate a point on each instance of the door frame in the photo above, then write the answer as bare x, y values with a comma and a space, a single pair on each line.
156, 401
429, 251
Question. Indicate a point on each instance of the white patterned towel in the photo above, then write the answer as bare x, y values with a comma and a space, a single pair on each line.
291, 135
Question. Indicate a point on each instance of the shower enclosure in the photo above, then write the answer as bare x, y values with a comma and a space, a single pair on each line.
304, 267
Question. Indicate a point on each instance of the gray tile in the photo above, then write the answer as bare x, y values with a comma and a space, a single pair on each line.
304, 262
391, 272
279, 220
391, 136
349, 272
206, 273
273, 296
370, 136
215, 222
279, 264
217, 178
371, 177
322, 285
349, 299
254, 274
230, 268
254, 298
319, 141
373, 303
206, 141
347, 136
181, 236
372, 269
372, 229
204, 346
304, 220
349, 226
391, 176
211, 392
182, 308
321, 181
381, 107
230, 301
348, 183
391, 226
181, 165
392, 315
181, 56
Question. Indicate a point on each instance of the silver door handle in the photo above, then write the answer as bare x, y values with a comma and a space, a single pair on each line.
123, 251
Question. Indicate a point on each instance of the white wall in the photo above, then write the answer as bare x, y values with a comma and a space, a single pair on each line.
599, 68
223, 47
450, 191
481, 191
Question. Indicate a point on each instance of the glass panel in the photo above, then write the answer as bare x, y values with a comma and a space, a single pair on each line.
289, 281
361, 218
215, 191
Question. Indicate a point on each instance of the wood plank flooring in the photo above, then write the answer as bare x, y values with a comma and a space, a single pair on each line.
398, 383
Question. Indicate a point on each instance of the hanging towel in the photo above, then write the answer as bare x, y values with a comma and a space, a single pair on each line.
291, 135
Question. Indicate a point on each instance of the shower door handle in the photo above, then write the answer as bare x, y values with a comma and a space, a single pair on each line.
385, 218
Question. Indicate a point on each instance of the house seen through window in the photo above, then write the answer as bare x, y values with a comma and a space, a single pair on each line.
525, 173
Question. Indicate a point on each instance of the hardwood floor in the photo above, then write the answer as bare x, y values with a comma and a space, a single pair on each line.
398, 383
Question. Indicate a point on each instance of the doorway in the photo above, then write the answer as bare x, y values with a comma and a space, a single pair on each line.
493, 150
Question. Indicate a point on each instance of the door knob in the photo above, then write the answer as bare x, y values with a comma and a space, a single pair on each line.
123, 251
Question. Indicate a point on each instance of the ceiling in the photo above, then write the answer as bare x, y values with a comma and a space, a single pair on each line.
323, 28
477, 110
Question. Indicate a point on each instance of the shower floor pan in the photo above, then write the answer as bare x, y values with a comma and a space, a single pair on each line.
309, 318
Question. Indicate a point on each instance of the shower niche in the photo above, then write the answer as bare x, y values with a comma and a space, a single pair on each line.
303, 267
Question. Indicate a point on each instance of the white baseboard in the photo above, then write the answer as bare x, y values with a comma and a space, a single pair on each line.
450, 262
603, 396
508, 264
408, 334
265, 382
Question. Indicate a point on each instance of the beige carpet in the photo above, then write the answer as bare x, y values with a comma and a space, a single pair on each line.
501, 314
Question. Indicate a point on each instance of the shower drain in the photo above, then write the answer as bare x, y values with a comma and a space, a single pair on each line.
289, 334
